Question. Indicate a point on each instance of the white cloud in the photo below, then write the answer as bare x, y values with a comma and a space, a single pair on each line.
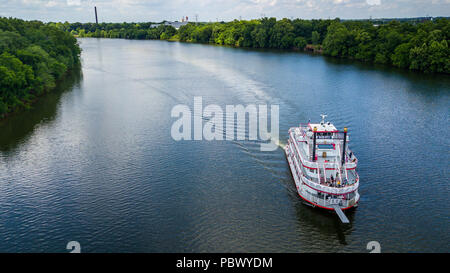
373, 2
73, 2
51, 4
340, 1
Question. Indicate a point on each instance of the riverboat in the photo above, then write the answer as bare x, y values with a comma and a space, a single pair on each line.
323, 166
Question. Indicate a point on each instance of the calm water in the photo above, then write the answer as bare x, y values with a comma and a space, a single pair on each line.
94, 162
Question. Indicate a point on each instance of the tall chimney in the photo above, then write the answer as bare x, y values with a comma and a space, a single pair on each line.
343, 148
96, 20
314, 144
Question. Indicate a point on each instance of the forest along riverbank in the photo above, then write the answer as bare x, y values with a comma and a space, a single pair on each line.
34, 56
414, 44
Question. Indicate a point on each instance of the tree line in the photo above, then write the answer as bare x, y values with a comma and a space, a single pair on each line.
33, 56
410, 44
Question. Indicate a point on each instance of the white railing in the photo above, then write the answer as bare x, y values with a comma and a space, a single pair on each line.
307, 160
328, 189
328, 202
315, 182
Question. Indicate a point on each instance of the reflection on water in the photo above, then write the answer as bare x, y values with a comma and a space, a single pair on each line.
416, 81
324, 224
18, 127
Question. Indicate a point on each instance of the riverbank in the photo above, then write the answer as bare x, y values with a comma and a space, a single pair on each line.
309, 48
34, 57
27, 105
316, 49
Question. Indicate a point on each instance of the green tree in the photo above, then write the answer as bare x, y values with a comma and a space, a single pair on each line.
315, 37
400, 58
300, 42
335, 43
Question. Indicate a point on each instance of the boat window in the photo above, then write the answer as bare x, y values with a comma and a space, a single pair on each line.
325, 146
324, 135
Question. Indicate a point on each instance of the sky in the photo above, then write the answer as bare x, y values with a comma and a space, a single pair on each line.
217, 10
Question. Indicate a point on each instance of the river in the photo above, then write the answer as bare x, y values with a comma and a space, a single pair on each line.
95, 162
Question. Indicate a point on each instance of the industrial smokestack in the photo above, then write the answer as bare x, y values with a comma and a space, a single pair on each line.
343, 148
96, 20
314, 144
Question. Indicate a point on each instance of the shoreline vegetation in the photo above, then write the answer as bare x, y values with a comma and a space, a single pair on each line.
33, 57
421, 45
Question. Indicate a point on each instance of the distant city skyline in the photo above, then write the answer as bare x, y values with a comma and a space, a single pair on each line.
217, 10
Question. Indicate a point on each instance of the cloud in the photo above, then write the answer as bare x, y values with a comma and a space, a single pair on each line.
74, 2
51, 4
373, 2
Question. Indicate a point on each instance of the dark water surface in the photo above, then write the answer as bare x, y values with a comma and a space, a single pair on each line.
95, 163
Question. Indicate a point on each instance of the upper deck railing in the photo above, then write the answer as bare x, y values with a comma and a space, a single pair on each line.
307, 160
304, 128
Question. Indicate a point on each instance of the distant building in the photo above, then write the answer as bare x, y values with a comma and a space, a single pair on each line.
175, 24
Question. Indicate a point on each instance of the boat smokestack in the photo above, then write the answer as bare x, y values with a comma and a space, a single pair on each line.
314, 143
343, 148
96, 19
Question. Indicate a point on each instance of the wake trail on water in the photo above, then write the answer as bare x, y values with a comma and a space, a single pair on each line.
144, 82
249, 91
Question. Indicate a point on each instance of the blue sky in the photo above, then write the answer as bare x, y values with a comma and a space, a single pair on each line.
212, 10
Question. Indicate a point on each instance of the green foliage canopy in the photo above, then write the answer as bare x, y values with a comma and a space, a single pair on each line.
33, 56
